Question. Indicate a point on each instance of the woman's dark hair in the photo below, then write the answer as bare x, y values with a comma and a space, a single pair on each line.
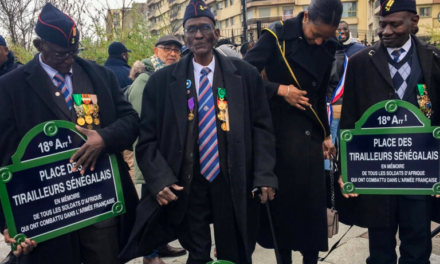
328, 12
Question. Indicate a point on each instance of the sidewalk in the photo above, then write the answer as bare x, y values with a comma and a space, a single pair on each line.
353, 249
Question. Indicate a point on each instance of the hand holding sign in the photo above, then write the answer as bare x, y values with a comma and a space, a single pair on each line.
341, 184
24, 248
88, 154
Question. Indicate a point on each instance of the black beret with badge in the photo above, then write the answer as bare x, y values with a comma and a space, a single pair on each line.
392, 6
56, 27
197, 8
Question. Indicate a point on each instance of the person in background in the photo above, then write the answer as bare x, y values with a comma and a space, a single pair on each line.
395, 68
347, 47
246, 47
299, 116
117, 62
184, 51
226, 48
7, 59
166, 52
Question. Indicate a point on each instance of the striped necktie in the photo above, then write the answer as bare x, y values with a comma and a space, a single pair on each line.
208, 144
396, 54
59, 77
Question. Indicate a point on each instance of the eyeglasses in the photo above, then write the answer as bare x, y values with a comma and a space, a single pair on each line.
205, 29
169, 49
63, 55
343, 29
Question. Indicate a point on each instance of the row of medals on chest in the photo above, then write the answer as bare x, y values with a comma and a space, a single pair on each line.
222, 105
86, 110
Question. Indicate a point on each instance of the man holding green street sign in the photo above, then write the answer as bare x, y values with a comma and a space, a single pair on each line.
388, 146
61, 184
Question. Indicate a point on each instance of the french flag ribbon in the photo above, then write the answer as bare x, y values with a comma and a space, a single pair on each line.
337, 93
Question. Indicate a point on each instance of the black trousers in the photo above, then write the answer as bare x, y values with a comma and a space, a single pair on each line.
211, 203
412, 217
89, 245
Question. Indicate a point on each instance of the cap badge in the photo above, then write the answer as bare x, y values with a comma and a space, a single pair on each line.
73, 41
389, 5
203, 8
74, 31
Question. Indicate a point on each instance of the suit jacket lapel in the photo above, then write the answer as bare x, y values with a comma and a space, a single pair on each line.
380, 61
178, 94
425, 58
415, 74
44, 88
298, 53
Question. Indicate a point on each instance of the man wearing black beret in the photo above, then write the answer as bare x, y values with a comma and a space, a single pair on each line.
394, 68
206, 142
42, 91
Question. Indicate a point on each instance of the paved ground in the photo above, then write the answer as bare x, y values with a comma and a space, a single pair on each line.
352, 250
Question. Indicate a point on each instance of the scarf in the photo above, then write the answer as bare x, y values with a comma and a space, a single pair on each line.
350, 40
157, 63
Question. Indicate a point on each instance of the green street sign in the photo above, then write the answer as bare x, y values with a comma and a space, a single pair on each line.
42, 198
392, 150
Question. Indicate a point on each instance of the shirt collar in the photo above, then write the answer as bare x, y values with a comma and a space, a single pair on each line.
198, 67
49, 70
406, 47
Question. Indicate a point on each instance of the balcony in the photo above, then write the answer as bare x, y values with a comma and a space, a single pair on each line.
252, 3
151, 13
171, 3
174, 15
149, 2
209, 1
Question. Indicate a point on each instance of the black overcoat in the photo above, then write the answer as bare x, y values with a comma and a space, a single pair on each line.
26, 102
368, 82
299, 211
250, 148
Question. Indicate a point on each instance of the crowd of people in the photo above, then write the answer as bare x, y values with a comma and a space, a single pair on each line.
211, 131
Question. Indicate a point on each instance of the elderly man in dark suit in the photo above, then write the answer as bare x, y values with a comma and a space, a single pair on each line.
393, 69
41, 91
206, 142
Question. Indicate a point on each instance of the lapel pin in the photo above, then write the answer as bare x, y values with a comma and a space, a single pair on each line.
371, 53
57, 94
188, 84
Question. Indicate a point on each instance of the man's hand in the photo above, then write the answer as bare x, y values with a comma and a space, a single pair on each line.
166, 195
294, 96
341, 184
267, 192
88, 154
24, 248
328, 148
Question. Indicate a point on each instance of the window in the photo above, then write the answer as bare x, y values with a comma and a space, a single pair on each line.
264, 12
178, 8
353, 30
219, 25
349, 9
226, 3
232, 21
250, 14
231, 2
219, 6
425, 12
305, 8
287, 12
227, 22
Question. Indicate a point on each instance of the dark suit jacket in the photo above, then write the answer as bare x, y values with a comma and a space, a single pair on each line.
26, 100
368, 82
161, 147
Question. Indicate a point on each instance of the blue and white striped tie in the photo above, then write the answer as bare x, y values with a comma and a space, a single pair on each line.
208, 144
59, 77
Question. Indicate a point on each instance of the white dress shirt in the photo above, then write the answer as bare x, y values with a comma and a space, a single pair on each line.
406, 47
51, 72
198, 68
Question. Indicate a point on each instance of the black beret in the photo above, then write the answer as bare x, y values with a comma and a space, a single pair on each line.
392, 6
56, 27
197, 8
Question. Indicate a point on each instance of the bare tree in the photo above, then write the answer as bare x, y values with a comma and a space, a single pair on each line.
20, 17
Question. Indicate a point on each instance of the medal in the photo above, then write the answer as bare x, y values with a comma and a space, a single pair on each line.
96, 121
191, 109
89, 119
424, 101
221, 115
221, 93
80, 121
222, 105
224, 127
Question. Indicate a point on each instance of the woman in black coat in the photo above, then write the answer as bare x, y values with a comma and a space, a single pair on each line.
301, 125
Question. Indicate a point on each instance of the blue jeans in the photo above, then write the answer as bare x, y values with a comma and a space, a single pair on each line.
334, 130
155, 252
